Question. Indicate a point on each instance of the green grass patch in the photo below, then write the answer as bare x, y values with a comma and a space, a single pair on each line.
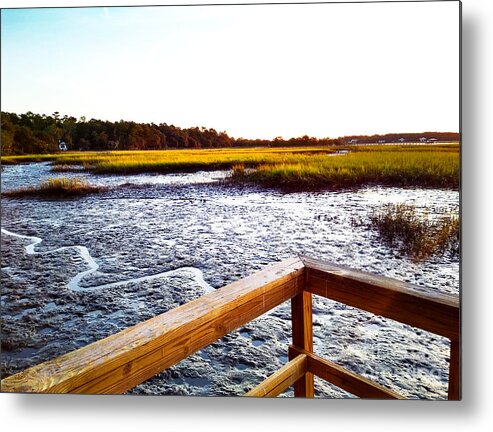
62, 187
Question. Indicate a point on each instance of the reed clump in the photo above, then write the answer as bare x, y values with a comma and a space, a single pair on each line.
61, 187
400, 226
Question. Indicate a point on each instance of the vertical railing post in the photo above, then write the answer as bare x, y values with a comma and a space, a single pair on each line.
454, 371
301, 317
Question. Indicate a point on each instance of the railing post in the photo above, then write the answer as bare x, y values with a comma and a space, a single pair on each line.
301, 317
454, 371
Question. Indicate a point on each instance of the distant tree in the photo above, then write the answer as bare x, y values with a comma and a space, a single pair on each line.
8, 132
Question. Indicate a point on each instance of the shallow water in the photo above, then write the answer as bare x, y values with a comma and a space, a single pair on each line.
220, 233
27, 175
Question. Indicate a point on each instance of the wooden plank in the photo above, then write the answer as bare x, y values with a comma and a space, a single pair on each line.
454, 377
343, 378
282, 379
180, 348
435, 312
123, 360
302, 328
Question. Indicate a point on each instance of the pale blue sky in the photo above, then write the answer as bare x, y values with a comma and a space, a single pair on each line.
253, 71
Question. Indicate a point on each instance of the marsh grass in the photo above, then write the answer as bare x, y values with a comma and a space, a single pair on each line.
15, 160
173, 161
61, 187
419, 236
425, 169
288, 168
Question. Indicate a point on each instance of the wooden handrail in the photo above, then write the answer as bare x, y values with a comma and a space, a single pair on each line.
122, 361
403, 302
437, 313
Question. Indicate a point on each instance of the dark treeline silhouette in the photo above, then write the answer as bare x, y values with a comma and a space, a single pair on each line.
34, 133
291, 142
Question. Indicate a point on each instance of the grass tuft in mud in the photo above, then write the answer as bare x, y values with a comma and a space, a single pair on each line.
401, 227
61, 187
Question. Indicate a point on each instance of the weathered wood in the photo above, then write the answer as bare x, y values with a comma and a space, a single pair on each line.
403, 302
123, 360
281, 379
343, 378
302, 328
454, 378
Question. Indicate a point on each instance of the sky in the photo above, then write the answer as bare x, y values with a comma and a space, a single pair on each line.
322, 70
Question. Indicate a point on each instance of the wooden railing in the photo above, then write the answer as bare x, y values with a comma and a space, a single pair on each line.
122, 361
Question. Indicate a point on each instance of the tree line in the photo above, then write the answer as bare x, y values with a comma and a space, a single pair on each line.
31, 133
402, 137
34, 133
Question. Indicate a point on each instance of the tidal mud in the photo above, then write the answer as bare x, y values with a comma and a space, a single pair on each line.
156, 242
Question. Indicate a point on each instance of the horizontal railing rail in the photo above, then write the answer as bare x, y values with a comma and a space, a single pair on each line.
122, 361
390, 298
343, 378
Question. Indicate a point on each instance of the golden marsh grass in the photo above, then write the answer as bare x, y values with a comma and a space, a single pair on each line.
301, 168
419, 236
61, 187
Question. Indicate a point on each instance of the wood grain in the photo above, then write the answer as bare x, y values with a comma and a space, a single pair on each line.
302, 329
123, 360
343, 378
281, 379
435, 312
